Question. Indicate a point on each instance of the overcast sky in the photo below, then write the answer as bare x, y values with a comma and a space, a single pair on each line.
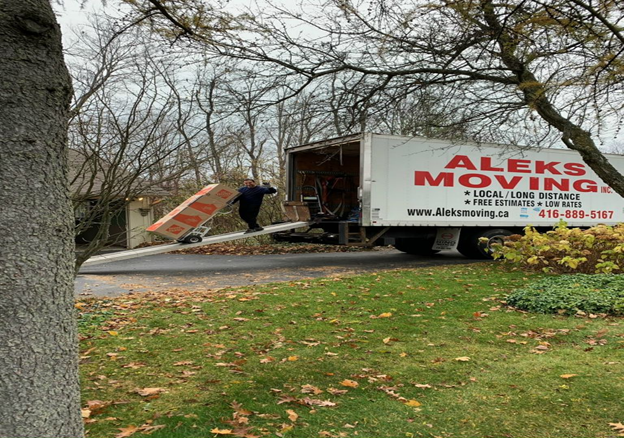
72, 16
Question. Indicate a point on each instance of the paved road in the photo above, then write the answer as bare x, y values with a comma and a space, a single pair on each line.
192, 272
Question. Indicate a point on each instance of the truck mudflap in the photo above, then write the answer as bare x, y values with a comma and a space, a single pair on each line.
446, 239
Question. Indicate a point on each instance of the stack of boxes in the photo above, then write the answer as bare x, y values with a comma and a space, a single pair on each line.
194, 211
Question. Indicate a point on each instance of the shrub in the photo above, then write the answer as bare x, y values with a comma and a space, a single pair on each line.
571, 294
563, 250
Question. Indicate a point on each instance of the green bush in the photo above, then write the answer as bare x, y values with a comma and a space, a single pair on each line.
564, 250
571, 294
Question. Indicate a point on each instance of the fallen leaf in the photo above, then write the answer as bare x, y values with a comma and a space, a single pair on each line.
334, 391
618, 427
127, 431
385, 315
311, 389
315, 402
240, 410
462, 359
134, 365
350, 383
146, 429
568, 376
286, 428
311, 343
96, 406
218, 431
292, 415
146, 392
293, 358
412, 403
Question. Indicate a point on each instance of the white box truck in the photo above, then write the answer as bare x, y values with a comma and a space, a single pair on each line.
424, 195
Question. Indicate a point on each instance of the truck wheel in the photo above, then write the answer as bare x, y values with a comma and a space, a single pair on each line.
420, 247
471, 246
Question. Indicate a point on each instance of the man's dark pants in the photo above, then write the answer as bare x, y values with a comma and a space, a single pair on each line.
249, 213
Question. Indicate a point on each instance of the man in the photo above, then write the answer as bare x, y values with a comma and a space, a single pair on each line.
250, 201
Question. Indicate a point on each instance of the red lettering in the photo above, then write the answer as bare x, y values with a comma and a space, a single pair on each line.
508, 184
486, 164
585, 185
534, 183
520, 166
460, 161
574, 169
542, 167
422, 178
484, 180
551, 183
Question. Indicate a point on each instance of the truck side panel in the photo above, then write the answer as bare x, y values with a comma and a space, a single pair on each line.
422, 182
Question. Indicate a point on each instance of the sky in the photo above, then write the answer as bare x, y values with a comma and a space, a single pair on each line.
71, 12
72, 17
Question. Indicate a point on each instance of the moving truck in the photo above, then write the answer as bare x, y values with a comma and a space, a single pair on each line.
423, 195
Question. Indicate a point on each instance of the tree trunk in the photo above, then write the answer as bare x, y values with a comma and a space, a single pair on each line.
39, 389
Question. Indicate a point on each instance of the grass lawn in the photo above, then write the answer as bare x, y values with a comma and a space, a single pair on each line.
425, 352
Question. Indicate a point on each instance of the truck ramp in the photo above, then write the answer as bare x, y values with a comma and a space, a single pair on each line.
159, 249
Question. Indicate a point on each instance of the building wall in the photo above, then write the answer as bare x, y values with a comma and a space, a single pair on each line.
140, 215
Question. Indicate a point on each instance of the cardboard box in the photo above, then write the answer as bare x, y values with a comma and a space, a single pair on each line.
194, 211
297, 211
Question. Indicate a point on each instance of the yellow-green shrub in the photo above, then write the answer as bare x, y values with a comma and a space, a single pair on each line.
563, 250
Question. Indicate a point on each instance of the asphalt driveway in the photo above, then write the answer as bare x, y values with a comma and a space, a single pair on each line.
200, 272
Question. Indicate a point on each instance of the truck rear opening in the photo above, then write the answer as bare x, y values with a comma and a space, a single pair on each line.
326, 178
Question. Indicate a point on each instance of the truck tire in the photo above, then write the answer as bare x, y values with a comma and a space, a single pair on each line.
470, 244
413, 246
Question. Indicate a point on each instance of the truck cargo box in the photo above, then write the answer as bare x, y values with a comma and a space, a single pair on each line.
403, 184
414, 181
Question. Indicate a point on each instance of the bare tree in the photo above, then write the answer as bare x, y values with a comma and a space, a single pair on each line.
248, 96
130, 131
297, 121
218, 148
555, 65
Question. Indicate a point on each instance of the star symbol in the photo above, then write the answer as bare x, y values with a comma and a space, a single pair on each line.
467, 202
539, 204
466, 193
